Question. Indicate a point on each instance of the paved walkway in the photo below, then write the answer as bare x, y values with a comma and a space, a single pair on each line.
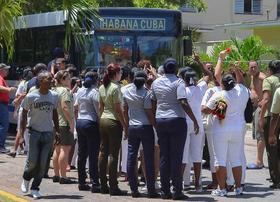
11, 171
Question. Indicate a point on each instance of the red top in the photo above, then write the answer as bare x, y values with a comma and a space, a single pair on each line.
4, 97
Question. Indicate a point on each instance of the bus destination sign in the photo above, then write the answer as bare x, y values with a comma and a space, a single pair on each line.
133, 24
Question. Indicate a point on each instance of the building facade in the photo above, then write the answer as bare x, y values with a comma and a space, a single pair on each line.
225, 19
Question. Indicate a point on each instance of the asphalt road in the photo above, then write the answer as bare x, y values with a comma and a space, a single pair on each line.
11, 172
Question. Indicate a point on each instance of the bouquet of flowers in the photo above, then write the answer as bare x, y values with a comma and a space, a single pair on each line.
221, 108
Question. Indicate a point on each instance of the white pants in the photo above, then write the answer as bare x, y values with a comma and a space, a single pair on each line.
124, 155
210, 145
230, 178
228, 146
194, 144
74, 161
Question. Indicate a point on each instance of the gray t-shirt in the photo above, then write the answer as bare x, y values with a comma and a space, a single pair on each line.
137, 101
40, 110
88, 101
167, 91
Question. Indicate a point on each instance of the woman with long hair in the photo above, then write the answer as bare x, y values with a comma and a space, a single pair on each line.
66, 124
111, 125
87, 103
138, 113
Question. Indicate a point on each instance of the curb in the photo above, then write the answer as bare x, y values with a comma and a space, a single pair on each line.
12, 197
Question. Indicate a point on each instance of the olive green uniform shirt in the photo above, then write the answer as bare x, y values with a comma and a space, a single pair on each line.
270, 84
275, 107
110, 96
64, 96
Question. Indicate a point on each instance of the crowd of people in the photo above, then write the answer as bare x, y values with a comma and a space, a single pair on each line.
163, 115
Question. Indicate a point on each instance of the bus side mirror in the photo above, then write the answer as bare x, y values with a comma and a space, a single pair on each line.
187, 42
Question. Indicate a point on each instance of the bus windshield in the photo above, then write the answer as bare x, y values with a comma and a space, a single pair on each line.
102, 50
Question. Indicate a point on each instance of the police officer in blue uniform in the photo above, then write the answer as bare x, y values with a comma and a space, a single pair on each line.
169, 99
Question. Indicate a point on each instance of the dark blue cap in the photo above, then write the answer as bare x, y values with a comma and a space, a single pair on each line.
170, 64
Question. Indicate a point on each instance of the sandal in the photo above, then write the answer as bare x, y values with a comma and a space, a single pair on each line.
254, 166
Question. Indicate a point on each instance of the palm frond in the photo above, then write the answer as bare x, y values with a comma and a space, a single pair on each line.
9, 10
80, 18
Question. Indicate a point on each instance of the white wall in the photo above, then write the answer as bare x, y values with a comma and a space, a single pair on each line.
222, 12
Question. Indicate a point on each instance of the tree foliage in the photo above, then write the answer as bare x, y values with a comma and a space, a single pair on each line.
199, 4
9, 10
251, 48
76, 12
38, 6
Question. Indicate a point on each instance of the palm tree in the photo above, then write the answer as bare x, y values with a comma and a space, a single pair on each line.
81, 15
250, 48
9, 10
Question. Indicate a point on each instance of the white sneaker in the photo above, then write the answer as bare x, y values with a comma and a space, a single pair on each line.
219, 192
238, 191
157, 185
35, 194
144, 189
25, 186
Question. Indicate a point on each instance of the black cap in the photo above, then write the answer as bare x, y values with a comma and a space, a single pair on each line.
170, 65
228, 80
140, 74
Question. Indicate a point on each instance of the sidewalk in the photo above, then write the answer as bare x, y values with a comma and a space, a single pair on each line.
11, 171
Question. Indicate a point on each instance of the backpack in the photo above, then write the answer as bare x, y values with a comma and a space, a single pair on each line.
248, 113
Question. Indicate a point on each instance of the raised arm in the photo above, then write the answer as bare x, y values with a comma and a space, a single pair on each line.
238, 73
219, 66
205, 70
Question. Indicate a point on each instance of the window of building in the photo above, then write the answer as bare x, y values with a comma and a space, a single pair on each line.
248, 6
278, 8
188, 8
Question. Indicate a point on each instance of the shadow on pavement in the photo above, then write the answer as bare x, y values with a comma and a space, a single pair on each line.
74, 197
250, 188
200, 198
246, 195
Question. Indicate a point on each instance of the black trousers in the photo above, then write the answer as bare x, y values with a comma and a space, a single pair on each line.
272, 153
88, 146
172, 133
145, 135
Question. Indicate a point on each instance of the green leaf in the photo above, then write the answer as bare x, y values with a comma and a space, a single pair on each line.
9, 11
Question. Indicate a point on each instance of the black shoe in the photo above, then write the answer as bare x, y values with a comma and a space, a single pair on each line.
73, 168
84, 187
179, 196
12, 154
117, 192
164, 195
275, 186
95, 189
153, 194
56, 179
65, 181
104, 190
136, 194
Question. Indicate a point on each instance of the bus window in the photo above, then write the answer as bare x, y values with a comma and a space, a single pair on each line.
25, 48
46, 41
100, 51
157, 48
